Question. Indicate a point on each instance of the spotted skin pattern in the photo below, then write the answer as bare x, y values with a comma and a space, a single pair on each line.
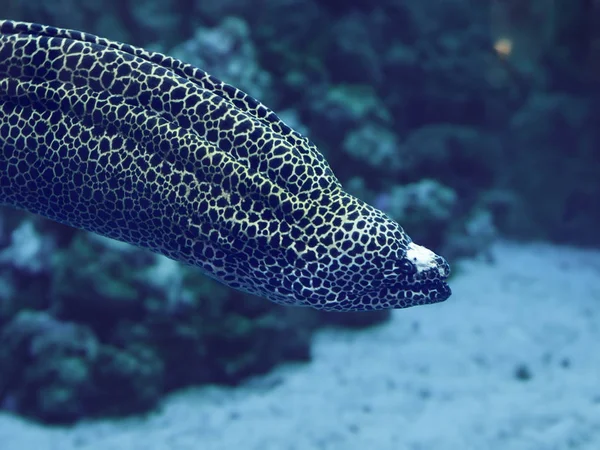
145, 149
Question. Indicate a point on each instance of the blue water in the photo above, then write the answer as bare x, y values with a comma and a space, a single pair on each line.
472, 124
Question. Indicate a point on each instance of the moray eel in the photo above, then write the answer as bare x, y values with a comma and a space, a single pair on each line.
146, 149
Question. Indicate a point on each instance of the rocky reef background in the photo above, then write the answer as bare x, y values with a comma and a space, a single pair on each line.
465, 120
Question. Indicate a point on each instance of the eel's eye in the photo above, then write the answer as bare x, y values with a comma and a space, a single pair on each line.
402, 266
406, 266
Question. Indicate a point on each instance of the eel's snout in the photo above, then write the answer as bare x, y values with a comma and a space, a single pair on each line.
439, 289
432, 272
443, 267
426, 262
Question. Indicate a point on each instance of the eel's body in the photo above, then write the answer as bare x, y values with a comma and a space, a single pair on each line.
145, 149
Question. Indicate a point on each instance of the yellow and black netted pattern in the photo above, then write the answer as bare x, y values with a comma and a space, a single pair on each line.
148, 150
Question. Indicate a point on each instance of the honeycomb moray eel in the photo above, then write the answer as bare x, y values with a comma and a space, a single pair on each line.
146, 149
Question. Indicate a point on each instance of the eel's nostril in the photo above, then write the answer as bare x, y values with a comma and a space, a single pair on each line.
443, 266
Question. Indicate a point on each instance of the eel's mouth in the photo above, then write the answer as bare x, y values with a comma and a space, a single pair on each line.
437, 290
432, 283
435, 281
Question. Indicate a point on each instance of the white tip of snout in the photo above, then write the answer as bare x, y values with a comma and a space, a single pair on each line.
423, 258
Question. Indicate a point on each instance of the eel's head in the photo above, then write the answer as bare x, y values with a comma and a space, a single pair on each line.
371, 263
418, 277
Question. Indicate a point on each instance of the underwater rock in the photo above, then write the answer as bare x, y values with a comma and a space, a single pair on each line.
28, 251
441, 79
354, 44
462, 157
475, 238
214, 12
154, 20
126, 380
26, 264
553, 137
375, 146
426, 198
227, 52
339, 109
426, 207
62, 371
99, 281
46, 366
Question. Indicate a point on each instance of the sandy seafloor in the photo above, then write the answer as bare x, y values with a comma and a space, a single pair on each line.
510, 361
